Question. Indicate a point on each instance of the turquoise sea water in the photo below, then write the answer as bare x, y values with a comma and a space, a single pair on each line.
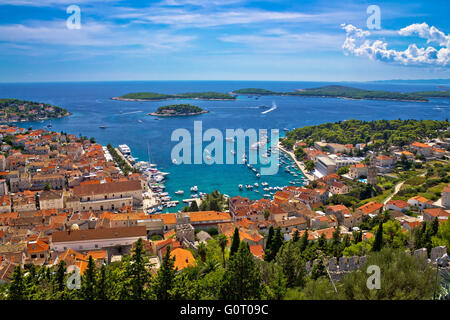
91, 106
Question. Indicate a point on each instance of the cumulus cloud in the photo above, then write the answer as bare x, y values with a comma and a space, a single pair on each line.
356, 43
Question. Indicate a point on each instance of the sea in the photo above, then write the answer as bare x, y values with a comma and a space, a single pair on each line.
128, 122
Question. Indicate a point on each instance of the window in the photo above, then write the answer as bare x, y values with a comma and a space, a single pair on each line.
96, 246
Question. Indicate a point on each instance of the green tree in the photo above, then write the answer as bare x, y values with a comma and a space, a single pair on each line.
222, 241
201, 250
402, 276
88, 283
17, 285
277, 242
103, 284
378, 243
296, 236
291, 263
138, 275
235, 242
165, 278
242, 279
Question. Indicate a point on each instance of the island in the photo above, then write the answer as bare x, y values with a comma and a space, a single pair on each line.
14, 110
337, 91
176, 110
152, 96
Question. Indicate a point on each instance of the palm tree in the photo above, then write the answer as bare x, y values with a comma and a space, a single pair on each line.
201, 250
222, 241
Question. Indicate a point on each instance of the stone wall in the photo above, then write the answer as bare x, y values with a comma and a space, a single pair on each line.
338, 267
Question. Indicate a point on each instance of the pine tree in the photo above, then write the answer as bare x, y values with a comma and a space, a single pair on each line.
235, 242
267, 253
296, 236
59, 281
88, 283
102, 284
304, 241
17, 285
435, 226
242, 279
165, 278
276, 243
193, 207
378, 243
139, 276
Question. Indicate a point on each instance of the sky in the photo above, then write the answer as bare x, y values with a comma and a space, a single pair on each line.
285, 40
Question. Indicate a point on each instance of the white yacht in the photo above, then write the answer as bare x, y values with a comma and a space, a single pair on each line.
179, 192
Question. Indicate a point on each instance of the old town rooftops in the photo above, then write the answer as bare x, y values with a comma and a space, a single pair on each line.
97, 234
103, 188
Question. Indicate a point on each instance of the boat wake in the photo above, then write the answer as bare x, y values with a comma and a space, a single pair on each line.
132, 112
274, 106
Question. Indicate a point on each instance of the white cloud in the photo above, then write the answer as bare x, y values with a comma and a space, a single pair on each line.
357, 44
103, 37
280, 40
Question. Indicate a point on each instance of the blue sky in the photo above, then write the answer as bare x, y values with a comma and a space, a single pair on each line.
223, 40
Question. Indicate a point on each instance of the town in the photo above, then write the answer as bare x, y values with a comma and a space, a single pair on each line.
67, 201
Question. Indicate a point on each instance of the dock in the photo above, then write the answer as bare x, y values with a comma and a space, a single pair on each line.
121, 155
299, 164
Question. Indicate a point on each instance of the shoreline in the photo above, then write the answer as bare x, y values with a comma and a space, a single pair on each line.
322, 96
37, 120
165, 99
154, 114
299, 164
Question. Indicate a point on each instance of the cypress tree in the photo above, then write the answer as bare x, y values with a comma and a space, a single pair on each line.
102, 284
304, 241
139, 276
242, 279
88, 283
235, 242
378, 243
193, 207
296, 236
276, 243
17, 285
165, 278
435, 226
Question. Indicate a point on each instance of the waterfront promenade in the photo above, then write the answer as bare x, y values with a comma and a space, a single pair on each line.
299, 164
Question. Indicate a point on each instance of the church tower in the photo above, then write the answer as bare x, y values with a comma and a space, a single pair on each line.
372, 171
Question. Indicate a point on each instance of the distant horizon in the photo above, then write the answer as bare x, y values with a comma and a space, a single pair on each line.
225, 80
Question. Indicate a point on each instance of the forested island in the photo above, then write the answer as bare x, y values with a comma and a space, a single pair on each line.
152, 96
14, 110
336, 91
176, 110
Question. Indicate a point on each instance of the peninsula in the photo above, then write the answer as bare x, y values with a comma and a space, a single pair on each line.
152, 96
13, 110
336, 91
176, 110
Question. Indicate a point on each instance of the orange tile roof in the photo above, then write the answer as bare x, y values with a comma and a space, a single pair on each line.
183, 258
200, 216
257, 250
370, 207
420, 145
421, 199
